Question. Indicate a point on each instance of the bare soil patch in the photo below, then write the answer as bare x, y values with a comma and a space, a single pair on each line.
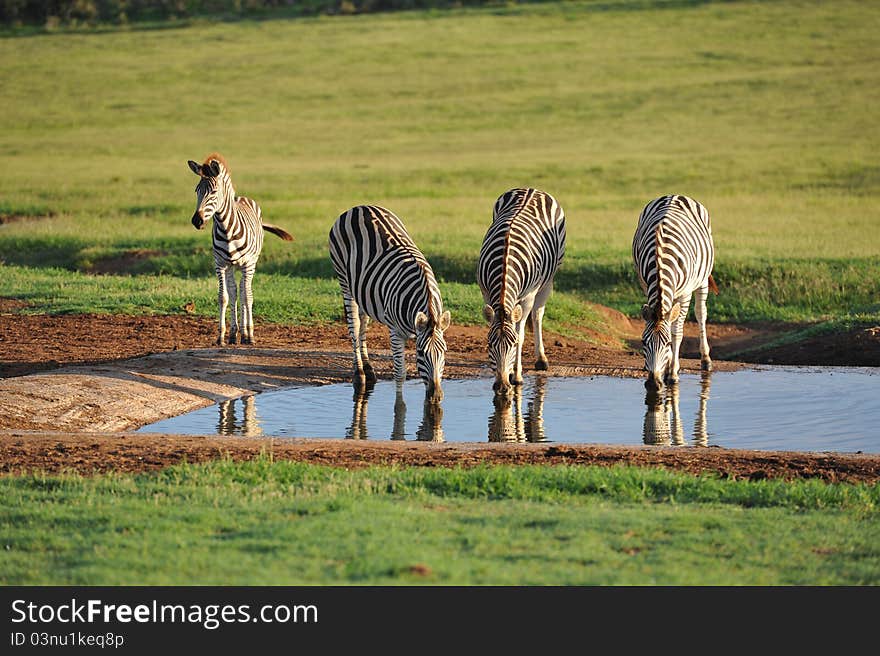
72, 388
124, 262
16, 218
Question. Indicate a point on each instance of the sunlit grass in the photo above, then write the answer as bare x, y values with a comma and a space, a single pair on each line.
281, 523
762, 111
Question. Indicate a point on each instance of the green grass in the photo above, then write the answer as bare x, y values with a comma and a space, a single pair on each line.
765, 112
265, 522
762, 111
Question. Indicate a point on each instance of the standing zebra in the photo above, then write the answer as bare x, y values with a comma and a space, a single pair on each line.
237, 237
673, 255
520, 255
385, 277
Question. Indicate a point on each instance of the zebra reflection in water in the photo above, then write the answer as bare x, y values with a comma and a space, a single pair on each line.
228, 423
663, 424
430, 429
507, 422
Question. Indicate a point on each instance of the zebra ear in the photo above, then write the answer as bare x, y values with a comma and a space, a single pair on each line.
421, 321
214, 167
195, 166
488, 313
674, 311
647, 312
516, 315
445, 320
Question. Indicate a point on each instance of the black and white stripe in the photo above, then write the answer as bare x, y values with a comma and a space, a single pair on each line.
237, 237
673, 254
521, 252
385, 277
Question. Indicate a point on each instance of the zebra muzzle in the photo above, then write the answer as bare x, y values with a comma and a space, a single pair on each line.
198, 221
654, 382
434, 392
502, 385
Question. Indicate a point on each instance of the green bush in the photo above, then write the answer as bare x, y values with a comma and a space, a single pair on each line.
51, 13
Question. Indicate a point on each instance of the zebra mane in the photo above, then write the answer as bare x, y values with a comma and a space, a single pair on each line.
219, 158
660, 311
434, 307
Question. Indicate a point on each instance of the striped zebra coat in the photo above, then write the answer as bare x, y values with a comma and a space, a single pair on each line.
521, 252
673, 255
384, 277
237, 237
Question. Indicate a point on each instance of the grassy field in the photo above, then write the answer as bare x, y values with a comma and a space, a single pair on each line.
285, 523
762, 111
765, 112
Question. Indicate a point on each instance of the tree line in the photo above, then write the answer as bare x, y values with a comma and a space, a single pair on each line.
54, 13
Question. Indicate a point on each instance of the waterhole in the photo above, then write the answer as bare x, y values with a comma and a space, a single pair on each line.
771, 408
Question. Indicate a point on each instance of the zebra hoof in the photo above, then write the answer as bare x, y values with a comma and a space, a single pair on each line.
706, 365
369, 374
542, 365
232, 339
247, 340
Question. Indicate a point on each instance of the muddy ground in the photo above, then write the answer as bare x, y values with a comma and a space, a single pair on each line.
73, 388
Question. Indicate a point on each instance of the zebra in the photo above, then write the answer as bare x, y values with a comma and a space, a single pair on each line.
520, 255
384, 277
237, 239
673, 255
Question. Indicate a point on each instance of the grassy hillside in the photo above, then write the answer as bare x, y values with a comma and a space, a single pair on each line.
283, 523
765, 112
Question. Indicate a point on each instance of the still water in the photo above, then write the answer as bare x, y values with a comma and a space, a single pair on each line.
770, 408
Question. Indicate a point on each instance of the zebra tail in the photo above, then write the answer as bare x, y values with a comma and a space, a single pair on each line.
712, 285
275, 230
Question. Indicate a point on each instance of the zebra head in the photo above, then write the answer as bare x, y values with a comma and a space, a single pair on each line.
657, 342
431, 350
503, 344
213, 192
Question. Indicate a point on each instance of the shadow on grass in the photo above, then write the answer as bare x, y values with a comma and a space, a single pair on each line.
151, 20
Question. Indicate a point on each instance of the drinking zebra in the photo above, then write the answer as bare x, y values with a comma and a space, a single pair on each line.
238, 240
384, 277
520, 255
673, 255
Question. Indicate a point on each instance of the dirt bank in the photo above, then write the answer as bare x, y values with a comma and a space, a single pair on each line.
134, 452
83, 373
73, 387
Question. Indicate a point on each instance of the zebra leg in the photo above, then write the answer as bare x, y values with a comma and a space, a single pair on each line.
398, 342
233, 304
353, 316
246, 300
520, 327
700, 311
222, 302
369, 373
677, 336
541, 363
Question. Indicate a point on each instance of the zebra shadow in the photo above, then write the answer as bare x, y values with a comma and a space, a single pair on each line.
245, 423
430, 428
663, 423
507, 423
